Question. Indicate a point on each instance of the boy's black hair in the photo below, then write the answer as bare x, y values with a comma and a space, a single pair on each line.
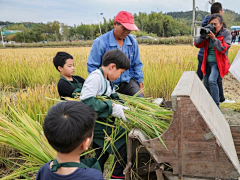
216, 7
214, 16
60, 59
117, 57
68, 124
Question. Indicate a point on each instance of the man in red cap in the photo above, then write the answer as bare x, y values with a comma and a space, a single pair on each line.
131, 81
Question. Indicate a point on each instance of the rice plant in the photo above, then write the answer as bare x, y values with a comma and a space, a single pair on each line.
162, 66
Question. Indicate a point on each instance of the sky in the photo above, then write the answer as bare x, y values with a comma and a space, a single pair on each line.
72, 12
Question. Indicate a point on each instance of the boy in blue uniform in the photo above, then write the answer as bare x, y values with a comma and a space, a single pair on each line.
99, 83
68, 128
68, 85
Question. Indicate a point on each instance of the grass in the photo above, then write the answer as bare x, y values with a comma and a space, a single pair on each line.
235, 106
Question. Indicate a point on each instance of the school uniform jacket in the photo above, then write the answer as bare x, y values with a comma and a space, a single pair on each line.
96, 85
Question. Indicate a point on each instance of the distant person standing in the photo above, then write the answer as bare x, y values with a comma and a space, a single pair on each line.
215, 8
131, 81
238, 36
233, 36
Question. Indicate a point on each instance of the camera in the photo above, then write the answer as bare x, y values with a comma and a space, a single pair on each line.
206, 30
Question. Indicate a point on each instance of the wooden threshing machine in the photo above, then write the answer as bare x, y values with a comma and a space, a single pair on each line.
200, 144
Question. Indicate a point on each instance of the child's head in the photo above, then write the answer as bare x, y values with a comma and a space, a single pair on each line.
64, 63
117, 62
69, 125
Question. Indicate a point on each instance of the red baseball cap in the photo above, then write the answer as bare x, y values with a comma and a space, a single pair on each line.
127, 20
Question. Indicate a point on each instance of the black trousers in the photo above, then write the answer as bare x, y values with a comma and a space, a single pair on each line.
220, 87
199, 71
120, 160
130, 88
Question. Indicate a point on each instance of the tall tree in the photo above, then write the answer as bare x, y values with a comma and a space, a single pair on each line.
64, 31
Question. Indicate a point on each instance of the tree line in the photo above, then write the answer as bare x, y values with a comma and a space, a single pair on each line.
153, 24
230, 17
52, 31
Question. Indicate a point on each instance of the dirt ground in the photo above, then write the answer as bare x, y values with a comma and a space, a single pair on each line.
231, 88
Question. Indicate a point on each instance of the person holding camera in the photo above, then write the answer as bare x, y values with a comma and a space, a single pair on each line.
215, 8
216, 40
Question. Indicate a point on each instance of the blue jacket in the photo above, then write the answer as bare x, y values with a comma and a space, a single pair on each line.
108, 42
204, 23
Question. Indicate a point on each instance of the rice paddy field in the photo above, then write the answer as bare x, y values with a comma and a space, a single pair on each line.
28, 87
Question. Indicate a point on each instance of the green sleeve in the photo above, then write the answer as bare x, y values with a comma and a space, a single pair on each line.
102, 108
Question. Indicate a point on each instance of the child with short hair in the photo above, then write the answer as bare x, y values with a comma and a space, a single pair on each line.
68, 85
99, 83
68, 128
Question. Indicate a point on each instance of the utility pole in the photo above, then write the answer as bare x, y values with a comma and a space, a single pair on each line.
193, 21
99, 25
56, 35
24, 36
2, 34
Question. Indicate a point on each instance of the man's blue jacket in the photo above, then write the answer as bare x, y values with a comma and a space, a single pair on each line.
108, 42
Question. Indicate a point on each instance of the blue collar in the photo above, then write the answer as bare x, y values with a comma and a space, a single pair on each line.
113, 42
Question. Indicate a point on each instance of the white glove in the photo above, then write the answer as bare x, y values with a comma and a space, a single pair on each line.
117, 111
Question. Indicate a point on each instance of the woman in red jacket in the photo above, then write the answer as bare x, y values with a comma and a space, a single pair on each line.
215, 60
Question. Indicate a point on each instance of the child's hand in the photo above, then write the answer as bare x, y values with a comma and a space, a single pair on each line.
118, 112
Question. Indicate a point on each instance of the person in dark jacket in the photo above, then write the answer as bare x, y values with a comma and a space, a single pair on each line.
238, 36
215, 8
234, 34
68, 85
215, 61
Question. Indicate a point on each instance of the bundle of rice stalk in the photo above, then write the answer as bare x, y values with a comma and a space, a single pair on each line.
24, 134
143, 114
